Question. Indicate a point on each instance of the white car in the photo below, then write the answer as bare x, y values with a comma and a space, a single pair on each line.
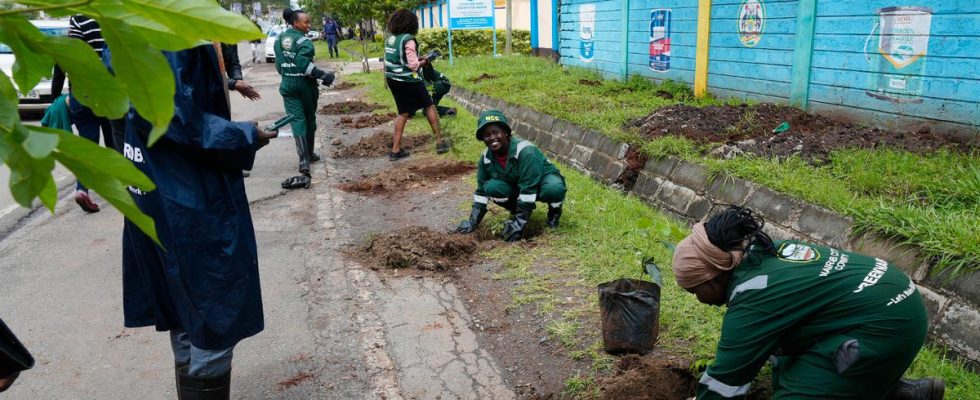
270, 43
38, 98
313, 34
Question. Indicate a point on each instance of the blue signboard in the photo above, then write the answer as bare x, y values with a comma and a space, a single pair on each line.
471, 14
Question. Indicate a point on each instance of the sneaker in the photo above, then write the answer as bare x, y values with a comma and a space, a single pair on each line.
444, 146
394, 156
85, 202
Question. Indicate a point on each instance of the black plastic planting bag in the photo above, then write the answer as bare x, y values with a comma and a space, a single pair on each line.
630, 311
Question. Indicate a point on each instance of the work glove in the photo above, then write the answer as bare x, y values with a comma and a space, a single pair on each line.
326, 78
476, 215
514, 228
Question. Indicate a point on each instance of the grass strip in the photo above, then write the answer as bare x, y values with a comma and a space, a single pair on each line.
605, 235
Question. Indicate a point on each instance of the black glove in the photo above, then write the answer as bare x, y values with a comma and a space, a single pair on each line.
476, 215
326, 78
514, 228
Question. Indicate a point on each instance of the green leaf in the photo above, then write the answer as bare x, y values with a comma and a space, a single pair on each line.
7, 90
39, 145
196, 19
28, 176
91, 84
32, 63
145, 74
81, 151
156, 34
9, 116
644, 223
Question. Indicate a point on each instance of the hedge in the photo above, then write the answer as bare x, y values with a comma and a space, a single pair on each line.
472, 42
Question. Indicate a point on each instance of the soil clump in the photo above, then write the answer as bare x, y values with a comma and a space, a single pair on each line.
587, 82
644, 378
379, 144
416, 173
751, 129
635, 160
367, 121
420, 248
483, 77
349, 107
344, 86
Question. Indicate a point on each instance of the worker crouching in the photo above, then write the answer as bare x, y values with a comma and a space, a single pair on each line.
513, 174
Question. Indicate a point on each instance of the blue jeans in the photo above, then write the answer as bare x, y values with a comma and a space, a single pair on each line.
332, 45
203, 363
89, 125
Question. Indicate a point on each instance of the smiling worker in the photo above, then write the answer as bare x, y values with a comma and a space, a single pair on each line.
514, 174
839, 325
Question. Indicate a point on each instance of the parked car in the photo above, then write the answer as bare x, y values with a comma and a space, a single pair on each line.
313, 34
39, 97
270, 43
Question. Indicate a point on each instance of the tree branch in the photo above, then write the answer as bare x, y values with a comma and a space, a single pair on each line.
35, 9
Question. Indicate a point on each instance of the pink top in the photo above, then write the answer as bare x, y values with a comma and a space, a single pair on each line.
411, 55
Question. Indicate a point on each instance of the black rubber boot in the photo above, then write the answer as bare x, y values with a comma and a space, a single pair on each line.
203, 388
554, 216
177, 367
509, 205
919, 389
304, 153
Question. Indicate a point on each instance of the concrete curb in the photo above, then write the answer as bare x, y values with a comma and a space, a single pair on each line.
13, 219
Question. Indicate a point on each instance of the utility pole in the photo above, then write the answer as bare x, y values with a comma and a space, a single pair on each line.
510, 21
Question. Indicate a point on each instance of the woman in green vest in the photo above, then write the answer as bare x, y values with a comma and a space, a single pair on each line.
833, 324
402, 71
299, 88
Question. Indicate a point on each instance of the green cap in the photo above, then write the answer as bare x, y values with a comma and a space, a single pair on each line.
490, 117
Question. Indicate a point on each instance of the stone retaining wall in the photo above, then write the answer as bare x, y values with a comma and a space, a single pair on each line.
688, 192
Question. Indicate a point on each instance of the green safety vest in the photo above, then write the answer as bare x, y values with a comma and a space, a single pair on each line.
396, 62
526, 169
294, 54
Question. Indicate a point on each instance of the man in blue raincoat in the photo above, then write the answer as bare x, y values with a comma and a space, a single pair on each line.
203, 284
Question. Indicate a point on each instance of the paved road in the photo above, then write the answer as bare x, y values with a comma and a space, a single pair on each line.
334, 329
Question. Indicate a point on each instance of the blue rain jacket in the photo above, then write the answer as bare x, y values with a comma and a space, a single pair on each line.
206, 278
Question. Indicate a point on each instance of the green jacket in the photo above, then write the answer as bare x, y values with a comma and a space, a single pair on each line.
294, 54
805, 295
526, 168
396, 62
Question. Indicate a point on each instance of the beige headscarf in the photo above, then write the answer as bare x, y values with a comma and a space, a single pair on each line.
696, 260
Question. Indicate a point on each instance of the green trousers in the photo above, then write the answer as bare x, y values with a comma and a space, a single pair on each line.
862, 364
299, 96
551, 191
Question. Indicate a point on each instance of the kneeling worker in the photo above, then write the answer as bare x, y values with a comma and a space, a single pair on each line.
514, 174
834, 324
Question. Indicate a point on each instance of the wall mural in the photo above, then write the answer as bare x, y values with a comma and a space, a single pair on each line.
751, 22
586, 32
898, 64
660, 40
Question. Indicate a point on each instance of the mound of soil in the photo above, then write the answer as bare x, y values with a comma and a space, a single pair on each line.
644, 378
420, 248
349, 107
379, 144
344, 86
367, 121
483, 77
811, 136
587, 82
416, 173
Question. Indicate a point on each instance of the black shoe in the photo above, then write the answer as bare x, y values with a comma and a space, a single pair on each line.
444, 146
177, 367
315, 157
297, 182
203, 388
451, 112
919, 389
554, 216
398, 155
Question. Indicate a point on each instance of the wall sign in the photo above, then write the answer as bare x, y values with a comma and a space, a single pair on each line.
660, 40
751, 22
471, 14
586, 32
899, 62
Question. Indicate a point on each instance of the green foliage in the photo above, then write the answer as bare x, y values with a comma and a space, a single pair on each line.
472, 42
136, 31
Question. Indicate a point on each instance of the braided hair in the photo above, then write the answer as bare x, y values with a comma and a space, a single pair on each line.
290, 15
730, 229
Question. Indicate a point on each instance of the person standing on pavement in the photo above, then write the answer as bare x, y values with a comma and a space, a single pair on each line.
513, 174
299, 88
331, 32
834, 324
402, 69
200, 281
86, 122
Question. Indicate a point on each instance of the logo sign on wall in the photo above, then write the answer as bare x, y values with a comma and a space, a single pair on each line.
660, 40
751, 22
471, 14
899, 62
586, 32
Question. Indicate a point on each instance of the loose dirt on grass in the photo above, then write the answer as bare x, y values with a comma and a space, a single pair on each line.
587, 82
415, 173
635, 160
483, 77
647, 378
344, 86
379, 144
349, 107
367, 121
750, 128
420, 248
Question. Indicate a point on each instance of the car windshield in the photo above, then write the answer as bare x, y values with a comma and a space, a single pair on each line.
50, 31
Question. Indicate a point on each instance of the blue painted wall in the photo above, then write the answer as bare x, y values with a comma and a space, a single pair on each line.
941, 89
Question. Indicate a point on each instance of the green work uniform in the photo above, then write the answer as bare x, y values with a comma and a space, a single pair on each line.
396, 61
294, 61
527, 178
846, 325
